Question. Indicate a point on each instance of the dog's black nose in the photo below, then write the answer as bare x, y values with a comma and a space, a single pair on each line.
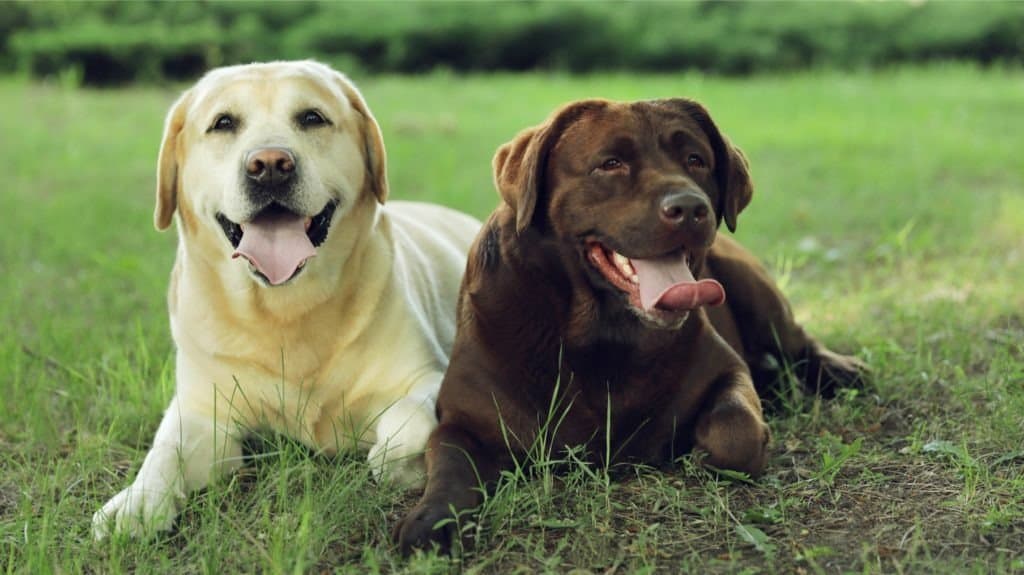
269, 165
684, 208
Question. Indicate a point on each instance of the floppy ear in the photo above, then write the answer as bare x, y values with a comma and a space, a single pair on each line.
516, 175
373, 140
520, 165
739, 188
167, 163
731, 171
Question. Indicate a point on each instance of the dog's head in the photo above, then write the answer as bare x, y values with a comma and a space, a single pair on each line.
261, 160
636, 192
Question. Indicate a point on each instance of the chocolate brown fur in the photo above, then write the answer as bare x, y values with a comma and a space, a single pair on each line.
540, 326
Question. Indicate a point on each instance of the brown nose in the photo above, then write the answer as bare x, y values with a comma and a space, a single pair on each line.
269, 165
684, 208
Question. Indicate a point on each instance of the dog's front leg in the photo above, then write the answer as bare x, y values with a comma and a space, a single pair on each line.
189, 450
458, 471
731, 430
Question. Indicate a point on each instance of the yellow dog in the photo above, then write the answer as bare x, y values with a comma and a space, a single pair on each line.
299, 302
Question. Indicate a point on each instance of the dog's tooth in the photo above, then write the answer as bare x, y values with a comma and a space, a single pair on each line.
625, 266
635, 279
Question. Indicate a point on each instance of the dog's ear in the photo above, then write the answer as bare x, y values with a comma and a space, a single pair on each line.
731, 170
520, 165
376, 158
739, 188
516, 167
167, 163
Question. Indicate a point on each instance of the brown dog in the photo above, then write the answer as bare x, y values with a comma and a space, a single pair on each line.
580, 307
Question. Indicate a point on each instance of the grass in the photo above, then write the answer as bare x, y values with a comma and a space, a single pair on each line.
889, 204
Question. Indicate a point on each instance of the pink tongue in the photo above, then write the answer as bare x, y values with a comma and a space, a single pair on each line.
276, 244
667, 283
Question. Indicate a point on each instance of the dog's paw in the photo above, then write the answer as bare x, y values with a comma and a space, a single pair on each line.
398, 464
733, 436
425, 527
828, 372
136, 512
402, 434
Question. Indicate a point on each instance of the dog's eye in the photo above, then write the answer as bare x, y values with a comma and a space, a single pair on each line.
611, 164
224, 123
311, 118
695, 161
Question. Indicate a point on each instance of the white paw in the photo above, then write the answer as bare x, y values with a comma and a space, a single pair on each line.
402, 467
136, 512
402, 433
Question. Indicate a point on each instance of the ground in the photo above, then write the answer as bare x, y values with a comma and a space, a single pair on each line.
890, 206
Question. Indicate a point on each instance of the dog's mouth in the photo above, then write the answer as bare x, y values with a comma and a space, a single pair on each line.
278, 242
661, 287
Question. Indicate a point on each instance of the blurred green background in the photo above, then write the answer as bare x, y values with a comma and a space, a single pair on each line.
115, 42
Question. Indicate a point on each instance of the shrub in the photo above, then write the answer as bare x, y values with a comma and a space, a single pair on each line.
108, 42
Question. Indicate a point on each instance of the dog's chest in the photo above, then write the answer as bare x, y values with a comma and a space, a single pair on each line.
612, 430
633, 405
326, 398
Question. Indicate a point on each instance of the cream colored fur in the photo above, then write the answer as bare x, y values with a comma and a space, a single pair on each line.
347, 354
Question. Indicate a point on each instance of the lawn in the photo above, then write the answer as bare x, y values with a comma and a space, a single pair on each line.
890, 205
